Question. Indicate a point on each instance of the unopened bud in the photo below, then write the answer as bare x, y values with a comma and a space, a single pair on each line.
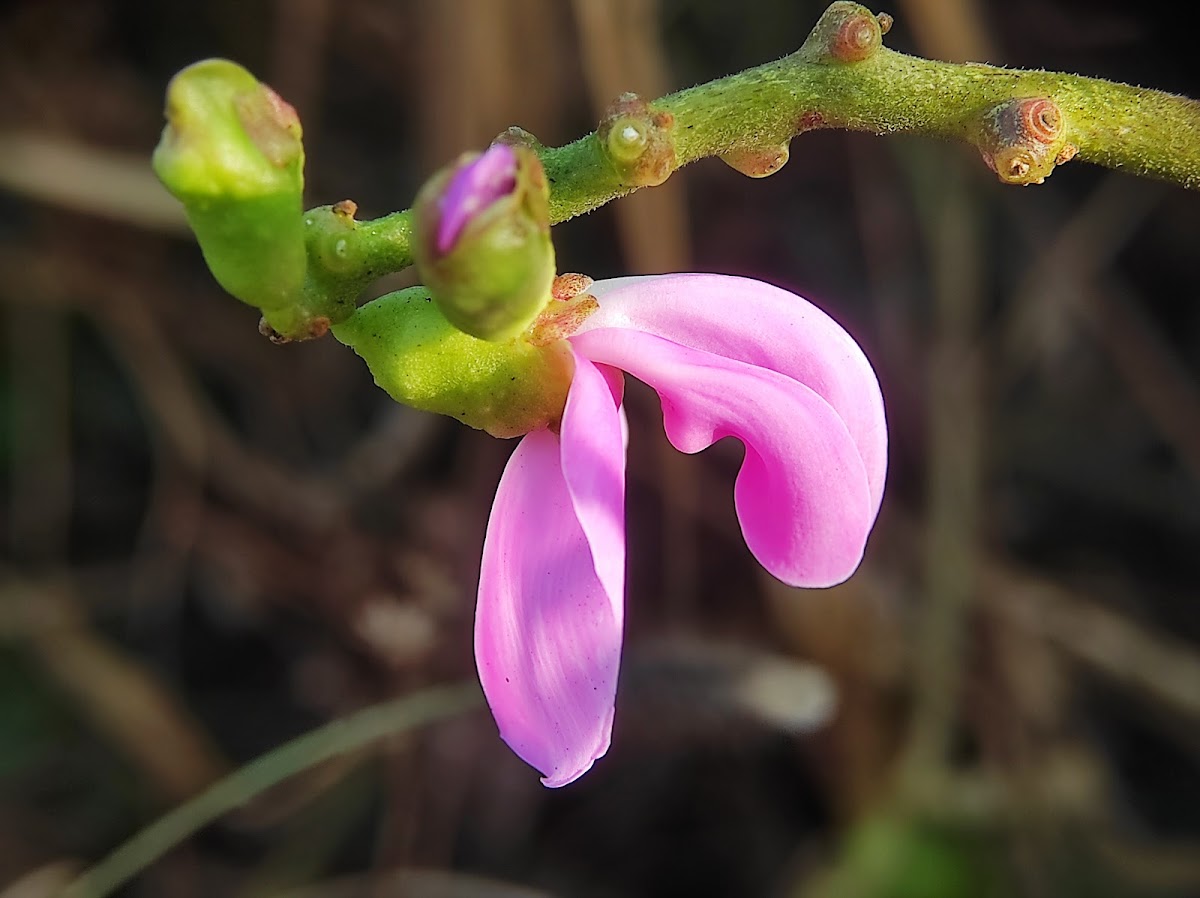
231, 153
482, 243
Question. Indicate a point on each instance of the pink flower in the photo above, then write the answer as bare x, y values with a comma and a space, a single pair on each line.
727, 357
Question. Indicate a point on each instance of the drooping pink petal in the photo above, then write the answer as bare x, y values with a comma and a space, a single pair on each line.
802, 495
766, 326
550, 614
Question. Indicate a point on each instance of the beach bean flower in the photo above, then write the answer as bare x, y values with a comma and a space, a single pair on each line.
728, 357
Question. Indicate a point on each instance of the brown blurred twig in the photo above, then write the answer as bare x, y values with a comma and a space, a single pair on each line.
621, 51
953, 30
123, 700
1154, 665
118, 186
1073, 278
41, 471
956, 435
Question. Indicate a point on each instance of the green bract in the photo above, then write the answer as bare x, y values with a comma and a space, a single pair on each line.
497, 277
231, 153
507, 388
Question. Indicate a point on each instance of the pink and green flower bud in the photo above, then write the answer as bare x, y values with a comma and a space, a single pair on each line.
419, 358
231, 153
482, 242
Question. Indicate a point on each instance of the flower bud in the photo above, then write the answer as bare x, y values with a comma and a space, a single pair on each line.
482, 242
231, 153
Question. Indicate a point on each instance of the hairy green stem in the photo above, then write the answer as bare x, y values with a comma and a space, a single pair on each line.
1024, 123
337, 738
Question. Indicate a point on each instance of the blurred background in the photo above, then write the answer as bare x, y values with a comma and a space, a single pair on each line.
210, 544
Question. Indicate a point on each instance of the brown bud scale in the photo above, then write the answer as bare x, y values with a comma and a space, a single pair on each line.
1066, 154
1041, 119
561, 319
568, 285
1022, 139
271, 124
856, 38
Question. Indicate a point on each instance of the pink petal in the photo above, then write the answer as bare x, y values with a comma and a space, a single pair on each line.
550, 614
593, 461
802, 496
757, 323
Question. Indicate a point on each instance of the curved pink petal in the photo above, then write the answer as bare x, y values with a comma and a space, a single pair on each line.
550, 613
802, 495
593, 439
753, 322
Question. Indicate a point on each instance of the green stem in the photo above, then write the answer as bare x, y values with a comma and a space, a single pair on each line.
336, 738
755, 113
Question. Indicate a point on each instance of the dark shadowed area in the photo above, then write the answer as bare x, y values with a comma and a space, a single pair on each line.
210, 544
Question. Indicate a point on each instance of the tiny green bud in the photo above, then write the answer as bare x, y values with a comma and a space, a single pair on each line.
420, 359
231, 153
627, 138
482, 241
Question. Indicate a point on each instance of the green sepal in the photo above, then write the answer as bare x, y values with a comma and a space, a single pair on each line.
507, 388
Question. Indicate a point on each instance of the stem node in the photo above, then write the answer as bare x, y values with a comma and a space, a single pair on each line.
846, 32
637, 140
757, 162
1023, 139
515, 136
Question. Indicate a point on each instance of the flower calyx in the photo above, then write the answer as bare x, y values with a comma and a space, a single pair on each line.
506, 388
